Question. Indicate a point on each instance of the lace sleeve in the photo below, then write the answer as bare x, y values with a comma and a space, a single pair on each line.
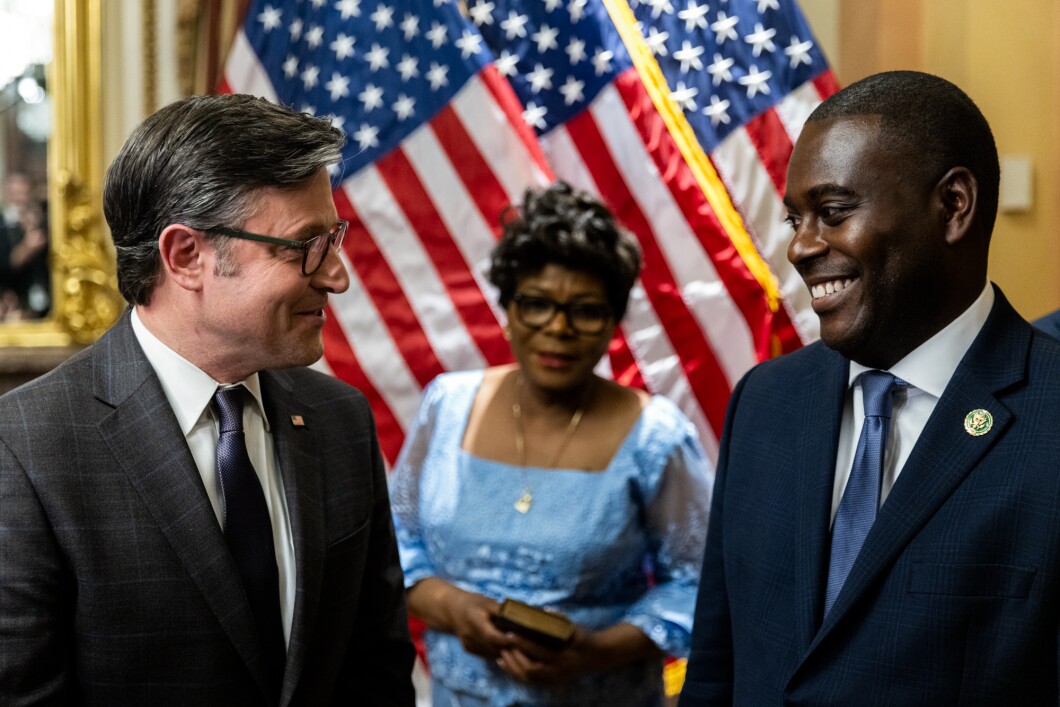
676, 523
404, 482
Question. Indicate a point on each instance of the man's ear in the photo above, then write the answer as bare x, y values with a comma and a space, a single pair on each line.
183, 253
958, 194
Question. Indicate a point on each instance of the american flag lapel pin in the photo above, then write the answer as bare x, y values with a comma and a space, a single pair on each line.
297, 421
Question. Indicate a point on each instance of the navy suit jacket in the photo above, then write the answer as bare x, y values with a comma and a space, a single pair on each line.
955, 596
1050, 324
116, 585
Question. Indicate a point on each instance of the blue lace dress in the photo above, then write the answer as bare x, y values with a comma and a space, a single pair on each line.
604, 547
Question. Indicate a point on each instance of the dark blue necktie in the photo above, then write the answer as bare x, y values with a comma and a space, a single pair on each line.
861, 499
248, 531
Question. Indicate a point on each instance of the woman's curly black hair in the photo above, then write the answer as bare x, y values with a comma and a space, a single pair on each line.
562, 226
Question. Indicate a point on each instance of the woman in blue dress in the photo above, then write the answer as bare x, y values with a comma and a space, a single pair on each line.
548, 484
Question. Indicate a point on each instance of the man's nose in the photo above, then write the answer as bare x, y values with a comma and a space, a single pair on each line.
332, 275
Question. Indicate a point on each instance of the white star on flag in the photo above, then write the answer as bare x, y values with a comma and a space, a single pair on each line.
717, 111
694, 16
295, 29
410, 26
798, 52
689, 55
404, 107
349, 8
660, 6
540, 78
575, 51
371, 97
343, 46
684, 95
506, 63
724, 28
470, 43
408, 67
576, 9
755, 81
438, 34
270, 18
482, 14
545, 38
338, 86
761, 38
314, 36
515, 25
572, 90
290, 67
534, 115
383, 17
367, 136
764, 5
377, 58
656, 41
437, 76
602, 61
720, 69
309, 76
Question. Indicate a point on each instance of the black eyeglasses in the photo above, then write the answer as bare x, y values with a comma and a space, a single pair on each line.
586, 318
314, 249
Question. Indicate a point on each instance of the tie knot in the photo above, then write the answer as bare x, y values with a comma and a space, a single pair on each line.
877, 388
229, 405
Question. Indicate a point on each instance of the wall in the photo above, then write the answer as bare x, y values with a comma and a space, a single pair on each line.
1007, 57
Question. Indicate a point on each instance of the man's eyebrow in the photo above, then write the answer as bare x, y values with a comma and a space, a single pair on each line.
819, 191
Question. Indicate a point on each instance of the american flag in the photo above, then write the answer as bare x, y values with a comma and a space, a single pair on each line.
679, 115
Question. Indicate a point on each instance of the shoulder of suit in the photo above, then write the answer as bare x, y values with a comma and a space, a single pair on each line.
809, 357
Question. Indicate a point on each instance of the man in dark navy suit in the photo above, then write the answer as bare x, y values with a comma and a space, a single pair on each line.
886, 519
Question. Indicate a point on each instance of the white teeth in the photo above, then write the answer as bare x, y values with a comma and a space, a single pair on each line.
830, 288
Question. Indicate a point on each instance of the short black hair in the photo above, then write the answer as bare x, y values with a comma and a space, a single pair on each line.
931, 121
199, 162
558, 225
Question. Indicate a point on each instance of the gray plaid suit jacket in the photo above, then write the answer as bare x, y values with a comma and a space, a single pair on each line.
955, 597
116, 586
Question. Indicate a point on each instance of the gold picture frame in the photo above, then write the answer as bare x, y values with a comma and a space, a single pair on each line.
85, 298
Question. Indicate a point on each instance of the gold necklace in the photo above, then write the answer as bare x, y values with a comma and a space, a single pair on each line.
525, 501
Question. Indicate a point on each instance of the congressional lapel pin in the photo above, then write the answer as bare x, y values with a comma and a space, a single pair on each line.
297, 421
978, 422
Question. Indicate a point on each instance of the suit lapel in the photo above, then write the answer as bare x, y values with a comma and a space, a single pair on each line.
303, 482
146, 441
945, 452
814, 463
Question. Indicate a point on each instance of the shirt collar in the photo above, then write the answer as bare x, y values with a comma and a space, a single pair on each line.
188, 388
930, 366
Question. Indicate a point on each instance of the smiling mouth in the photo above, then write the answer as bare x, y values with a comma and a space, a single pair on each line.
554, 360
829, 288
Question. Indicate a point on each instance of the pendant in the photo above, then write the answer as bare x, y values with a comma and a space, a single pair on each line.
524, 502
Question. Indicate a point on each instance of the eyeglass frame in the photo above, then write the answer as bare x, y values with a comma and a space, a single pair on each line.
335, 239
565, 308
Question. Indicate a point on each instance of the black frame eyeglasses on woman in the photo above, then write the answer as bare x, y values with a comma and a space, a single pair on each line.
585, 318
314, 249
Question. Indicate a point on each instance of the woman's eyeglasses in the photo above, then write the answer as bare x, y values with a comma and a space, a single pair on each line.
314, 249
586, 318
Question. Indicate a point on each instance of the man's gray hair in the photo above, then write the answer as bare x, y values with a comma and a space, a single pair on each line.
198, 162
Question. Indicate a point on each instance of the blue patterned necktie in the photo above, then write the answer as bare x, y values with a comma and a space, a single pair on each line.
248, 531
861, 499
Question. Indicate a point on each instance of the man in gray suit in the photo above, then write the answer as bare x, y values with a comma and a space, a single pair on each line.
187, 514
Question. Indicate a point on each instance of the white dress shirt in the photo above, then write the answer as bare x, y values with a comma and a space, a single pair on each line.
190, 393
927, 369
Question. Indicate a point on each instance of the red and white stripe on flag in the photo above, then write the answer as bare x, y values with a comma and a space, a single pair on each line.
524, 93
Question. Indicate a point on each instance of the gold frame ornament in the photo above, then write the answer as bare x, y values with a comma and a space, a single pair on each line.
85, 298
